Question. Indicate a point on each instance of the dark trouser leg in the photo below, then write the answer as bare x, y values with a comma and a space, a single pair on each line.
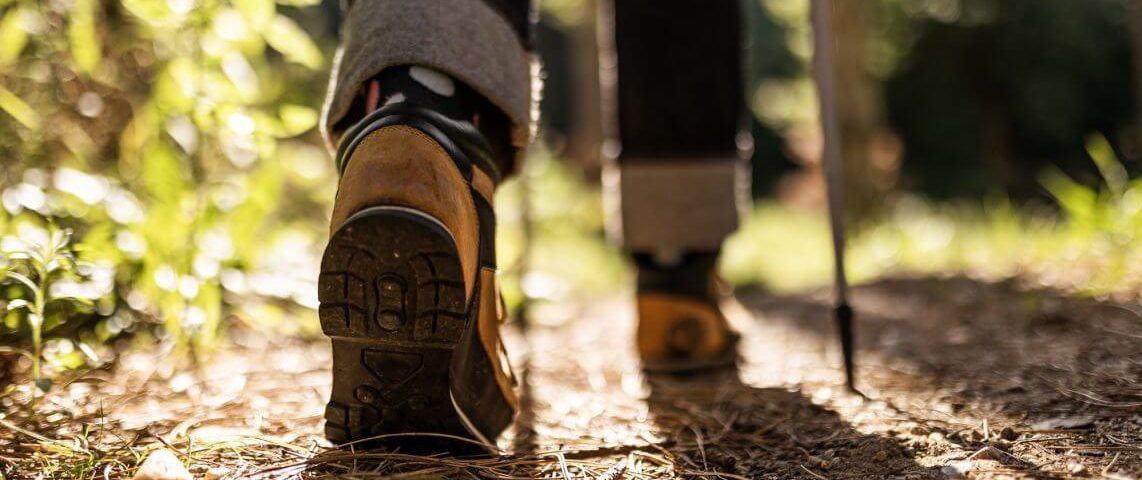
676, 182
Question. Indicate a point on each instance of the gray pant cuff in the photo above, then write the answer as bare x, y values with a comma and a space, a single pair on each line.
463, 38
671, 207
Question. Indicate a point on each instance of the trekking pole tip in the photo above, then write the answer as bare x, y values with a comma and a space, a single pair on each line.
843, 314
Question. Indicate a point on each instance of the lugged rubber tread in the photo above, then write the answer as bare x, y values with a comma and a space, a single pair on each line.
392, 301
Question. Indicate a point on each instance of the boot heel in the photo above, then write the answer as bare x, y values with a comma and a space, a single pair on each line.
392, 301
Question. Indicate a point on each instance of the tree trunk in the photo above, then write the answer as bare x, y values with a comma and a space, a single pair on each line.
585, 135
859, 111
1135, 19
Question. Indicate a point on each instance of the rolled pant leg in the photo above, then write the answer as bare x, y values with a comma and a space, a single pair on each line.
678, 182
483, 43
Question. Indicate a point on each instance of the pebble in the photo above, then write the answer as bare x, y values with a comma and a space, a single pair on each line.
216, 473
1008, 433
957, 469
162, 464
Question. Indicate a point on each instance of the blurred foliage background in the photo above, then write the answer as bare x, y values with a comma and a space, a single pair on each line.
165, 136
164, 183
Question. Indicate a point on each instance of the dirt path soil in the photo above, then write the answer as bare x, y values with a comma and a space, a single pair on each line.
963, 379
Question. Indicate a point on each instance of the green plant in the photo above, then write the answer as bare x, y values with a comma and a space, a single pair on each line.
165, 135
1114, 209
39, 261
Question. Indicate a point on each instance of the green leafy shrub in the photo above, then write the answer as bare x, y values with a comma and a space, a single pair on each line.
164, 134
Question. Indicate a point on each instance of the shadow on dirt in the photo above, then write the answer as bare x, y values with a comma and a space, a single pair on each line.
966, 362
715, 422
973, 343
713, 425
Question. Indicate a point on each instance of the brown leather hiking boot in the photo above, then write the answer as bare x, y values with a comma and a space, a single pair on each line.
408, 289
680, 326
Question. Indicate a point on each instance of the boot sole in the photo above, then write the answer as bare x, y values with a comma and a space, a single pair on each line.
393, 304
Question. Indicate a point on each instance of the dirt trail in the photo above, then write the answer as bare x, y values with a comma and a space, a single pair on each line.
963, 379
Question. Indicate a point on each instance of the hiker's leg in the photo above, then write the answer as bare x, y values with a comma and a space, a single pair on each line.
484, 45
679, 94
677, 180
428, 106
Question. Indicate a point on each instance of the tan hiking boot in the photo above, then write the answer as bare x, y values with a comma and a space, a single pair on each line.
680, 325
408, 288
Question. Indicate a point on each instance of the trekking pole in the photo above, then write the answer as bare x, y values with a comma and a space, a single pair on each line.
523, 267
834, 178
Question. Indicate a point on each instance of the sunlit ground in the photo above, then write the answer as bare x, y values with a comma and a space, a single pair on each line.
965, 375
963, 378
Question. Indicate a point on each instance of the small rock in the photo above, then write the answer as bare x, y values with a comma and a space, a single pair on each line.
162, 464
881, 455
1008, 434
957, 469
1076, 468
216, 473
